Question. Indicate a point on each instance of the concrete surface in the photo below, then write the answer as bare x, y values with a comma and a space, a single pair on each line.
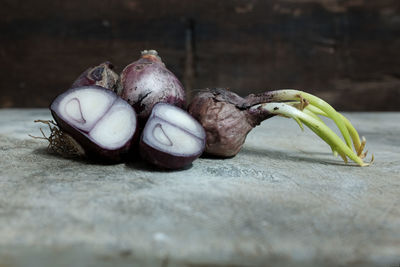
283, 201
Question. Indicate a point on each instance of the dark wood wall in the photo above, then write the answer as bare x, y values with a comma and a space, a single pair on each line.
347, 52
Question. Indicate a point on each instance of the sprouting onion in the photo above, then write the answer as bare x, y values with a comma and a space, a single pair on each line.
228, 118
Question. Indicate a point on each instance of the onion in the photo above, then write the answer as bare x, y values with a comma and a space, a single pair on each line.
147, 82
227, 119
172, 138
95, 118
101, 75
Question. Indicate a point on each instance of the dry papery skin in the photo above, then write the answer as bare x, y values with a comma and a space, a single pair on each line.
226, 119
102, 75
60, 142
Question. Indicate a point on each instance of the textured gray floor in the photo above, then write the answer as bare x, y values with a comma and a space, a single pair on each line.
284, 200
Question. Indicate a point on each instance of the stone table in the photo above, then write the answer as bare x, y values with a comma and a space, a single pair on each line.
284, 200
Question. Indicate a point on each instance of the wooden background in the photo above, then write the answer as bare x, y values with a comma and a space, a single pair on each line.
347, 52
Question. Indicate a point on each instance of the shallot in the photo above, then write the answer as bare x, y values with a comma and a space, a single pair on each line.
147, 82
96, 119
102, 75
172, 138
227, 119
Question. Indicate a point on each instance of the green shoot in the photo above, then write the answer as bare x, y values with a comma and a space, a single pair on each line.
290, 94
358, 144
308, 118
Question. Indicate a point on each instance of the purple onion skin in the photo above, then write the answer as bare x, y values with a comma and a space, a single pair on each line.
156, 155
147, 82
226, 118
102, 75
94, 150
164, 160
